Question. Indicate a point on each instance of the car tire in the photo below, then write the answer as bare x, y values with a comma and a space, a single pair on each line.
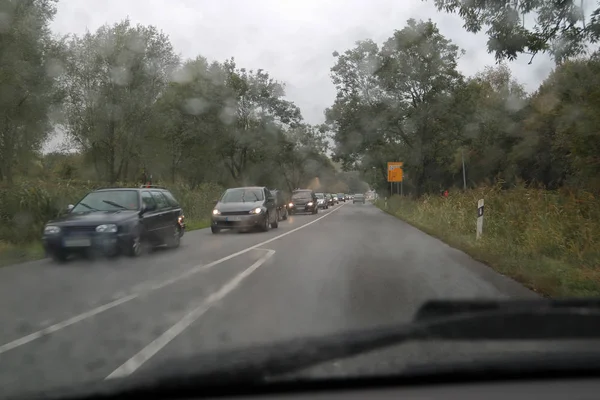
266, 225
134, 248
215, 230
174, 239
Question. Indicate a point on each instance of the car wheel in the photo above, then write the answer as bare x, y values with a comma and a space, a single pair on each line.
266, 225
215, 230
174, 239
135, 245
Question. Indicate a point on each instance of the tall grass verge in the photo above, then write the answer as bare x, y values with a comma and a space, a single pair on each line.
547, 240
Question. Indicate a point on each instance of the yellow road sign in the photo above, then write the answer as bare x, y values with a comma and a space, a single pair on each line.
395, 171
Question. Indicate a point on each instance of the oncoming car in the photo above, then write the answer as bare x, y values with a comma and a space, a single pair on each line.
245, 208
116, 220
358, 198
322, 201
303, 201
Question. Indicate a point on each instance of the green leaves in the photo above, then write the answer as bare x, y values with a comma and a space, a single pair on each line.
391, 101
559, 28
27, 81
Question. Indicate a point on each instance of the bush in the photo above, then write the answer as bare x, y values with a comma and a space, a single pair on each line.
548, 240
26, 206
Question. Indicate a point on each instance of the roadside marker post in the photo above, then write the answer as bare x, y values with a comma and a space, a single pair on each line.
479, 218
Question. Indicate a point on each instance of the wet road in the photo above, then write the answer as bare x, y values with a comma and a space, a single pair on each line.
348, 267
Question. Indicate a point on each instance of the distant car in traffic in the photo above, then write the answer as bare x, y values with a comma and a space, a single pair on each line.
244, 208
303, 201
358, 198
330, 199
116, 220
335, 198
322, 201
341, 197
281, 204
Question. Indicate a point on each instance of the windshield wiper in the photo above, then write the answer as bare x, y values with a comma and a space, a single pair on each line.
436, 320
112, 203
88, 207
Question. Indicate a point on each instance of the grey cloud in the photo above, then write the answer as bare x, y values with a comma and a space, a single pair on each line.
293, 40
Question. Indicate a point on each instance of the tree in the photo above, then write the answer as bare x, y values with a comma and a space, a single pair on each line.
115, 77
256, 112
188, 126
29, 67
560, 28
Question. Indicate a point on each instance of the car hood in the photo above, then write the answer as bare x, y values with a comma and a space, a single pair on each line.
95, 217
240, 206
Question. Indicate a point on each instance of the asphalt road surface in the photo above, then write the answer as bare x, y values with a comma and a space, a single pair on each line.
349, 267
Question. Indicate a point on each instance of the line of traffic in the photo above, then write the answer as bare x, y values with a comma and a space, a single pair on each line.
143, 289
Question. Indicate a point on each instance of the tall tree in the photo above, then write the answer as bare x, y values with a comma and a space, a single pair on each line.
258, 110
29, 66
115, 78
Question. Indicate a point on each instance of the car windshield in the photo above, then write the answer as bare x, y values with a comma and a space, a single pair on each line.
468, 142
301, 195
241, 195
108, 200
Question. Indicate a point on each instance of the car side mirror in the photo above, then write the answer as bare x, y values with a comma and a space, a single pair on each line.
70, 207
146, 208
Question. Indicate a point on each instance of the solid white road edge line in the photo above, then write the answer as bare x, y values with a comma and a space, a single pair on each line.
159, 343
145, 288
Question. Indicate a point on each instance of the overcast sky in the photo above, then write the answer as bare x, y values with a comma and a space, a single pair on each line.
292, 39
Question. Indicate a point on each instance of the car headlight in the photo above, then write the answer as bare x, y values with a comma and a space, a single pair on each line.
216, 212
310, 203
291, 205
180, 219
51, 230
257, 210
106, 228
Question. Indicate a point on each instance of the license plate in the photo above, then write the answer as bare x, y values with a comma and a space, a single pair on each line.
77, 242
233, 218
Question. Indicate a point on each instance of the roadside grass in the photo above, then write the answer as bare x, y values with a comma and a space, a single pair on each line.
18, 253
26, 206
547, 240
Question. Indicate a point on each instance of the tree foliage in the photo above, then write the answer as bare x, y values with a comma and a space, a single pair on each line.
130, 107
406, 101
27, 95
559, 27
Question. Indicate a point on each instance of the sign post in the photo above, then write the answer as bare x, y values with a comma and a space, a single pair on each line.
479, 218
395, 174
